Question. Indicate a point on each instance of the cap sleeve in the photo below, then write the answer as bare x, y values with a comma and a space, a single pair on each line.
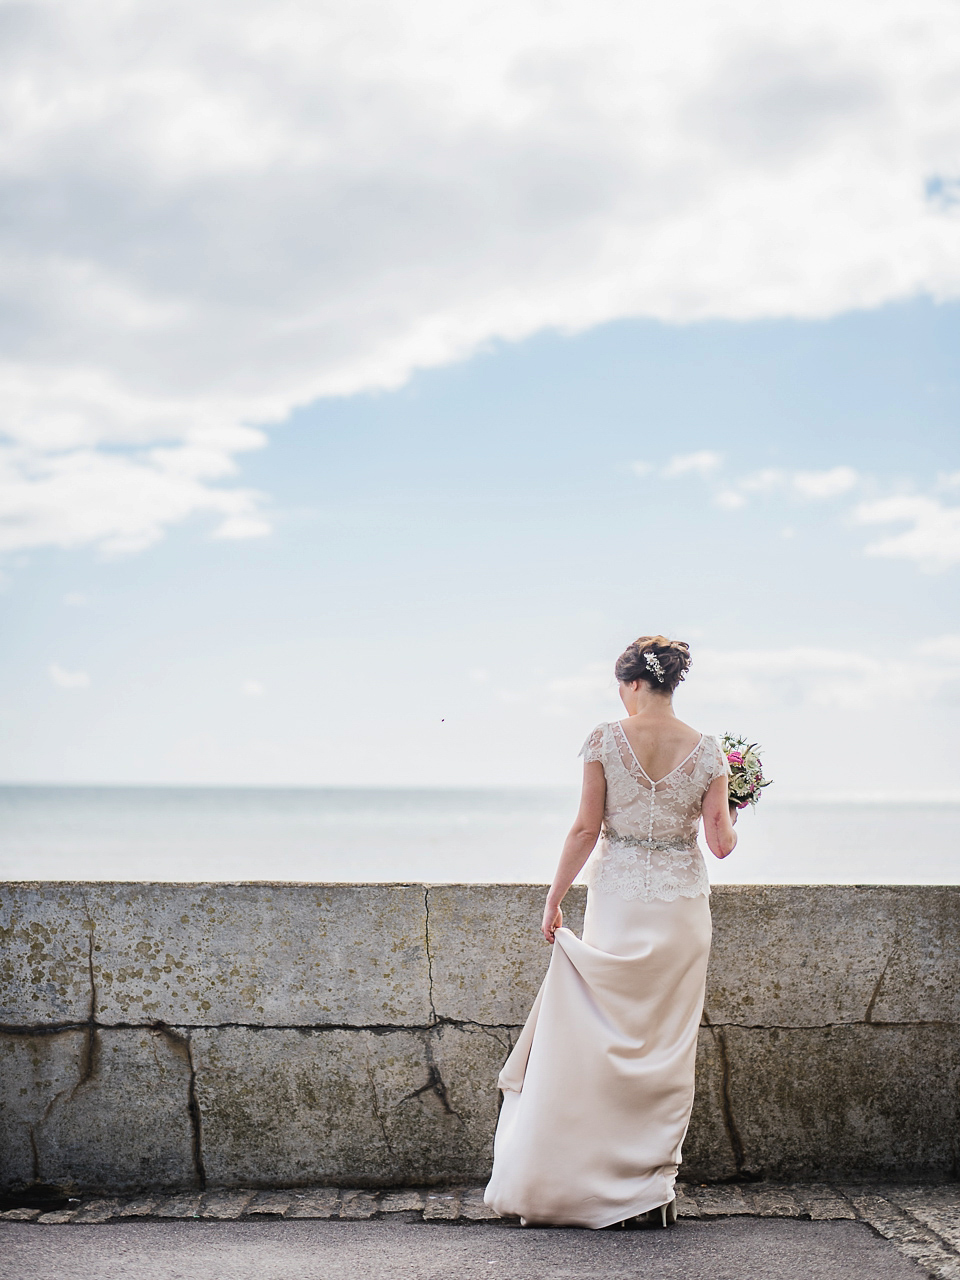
719, 764
592, 749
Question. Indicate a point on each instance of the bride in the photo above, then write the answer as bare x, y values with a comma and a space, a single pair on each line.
597, 1092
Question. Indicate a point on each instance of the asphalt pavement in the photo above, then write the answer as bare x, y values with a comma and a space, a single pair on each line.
737, 1248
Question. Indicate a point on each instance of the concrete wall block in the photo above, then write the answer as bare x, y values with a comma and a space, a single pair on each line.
799, 955
292, 1108
35, 1071
203, 954
468, 1060
487, 952
845, 1101
98, 1110
920, 980
45, 948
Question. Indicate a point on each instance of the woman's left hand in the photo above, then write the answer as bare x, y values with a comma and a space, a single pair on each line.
552, 921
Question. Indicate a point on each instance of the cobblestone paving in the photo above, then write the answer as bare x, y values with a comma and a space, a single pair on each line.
921, 1220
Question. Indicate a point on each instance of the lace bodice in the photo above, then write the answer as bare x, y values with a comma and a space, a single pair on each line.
649, 845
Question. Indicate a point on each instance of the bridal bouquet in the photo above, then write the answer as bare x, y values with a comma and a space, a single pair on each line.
746, 771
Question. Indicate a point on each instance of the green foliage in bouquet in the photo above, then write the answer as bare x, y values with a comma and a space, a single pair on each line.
746, 771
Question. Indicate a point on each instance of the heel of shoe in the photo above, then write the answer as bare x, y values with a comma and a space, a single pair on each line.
667, 1213
663, 1216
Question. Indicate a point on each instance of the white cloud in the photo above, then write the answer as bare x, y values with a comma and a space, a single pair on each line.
252, 689
217, 212
730, 500
945, 647
121, 501
795, 675
701, 463
68, 679
825, 484
808, 485
826, 677
737, 489
933, 538
75, 599
242, 526
764, 481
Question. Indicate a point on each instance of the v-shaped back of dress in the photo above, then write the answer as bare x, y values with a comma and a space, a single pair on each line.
631, 760
649, 848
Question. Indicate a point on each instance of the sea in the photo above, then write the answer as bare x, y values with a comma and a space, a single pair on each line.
194, 834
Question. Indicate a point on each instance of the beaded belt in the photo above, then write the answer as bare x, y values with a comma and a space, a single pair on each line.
678, 843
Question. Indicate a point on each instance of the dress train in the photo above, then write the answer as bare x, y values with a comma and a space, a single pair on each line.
598, 1090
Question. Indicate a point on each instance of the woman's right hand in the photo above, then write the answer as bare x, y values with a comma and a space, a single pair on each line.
552, 921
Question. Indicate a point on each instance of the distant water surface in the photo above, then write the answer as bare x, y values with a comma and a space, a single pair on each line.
260, 833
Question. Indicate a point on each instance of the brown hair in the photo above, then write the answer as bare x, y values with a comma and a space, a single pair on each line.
672, 657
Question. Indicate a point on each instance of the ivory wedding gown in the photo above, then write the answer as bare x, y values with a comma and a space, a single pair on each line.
598, 1090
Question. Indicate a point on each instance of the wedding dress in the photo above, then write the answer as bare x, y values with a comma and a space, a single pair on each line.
598, 1090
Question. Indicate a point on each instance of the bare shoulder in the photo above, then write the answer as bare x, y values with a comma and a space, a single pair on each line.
688, 730
691, 737
671, 734
682, 734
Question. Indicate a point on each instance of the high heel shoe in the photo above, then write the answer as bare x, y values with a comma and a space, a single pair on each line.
664, 1215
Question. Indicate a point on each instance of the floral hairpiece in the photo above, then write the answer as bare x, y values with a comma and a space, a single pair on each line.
653, 664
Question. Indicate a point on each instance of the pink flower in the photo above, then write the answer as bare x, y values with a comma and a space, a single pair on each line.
735, 757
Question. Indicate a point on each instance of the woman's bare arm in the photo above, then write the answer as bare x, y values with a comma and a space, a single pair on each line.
718, 819
578, 845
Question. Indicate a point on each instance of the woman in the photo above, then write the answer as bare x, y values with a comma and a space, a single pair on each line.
597, 1092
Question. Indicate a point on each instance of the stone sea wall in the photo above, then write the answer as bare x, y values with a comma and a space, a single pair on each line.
176, 1036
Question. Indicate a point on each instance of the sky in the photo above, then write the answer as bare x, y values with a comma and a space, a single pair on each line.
372, 377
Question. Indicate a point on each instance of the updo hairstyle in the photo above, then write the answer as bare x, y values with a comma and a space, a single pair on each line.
672, 657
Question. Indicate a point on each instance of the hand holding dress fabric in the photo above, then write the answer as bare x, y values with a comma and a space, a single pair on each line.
552, 921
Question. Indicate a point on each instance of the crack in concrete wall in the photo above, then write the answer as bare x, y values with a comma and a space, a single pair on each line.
86, 1060
436, 1082
426, 947
179, 1041
90, 1044
726, 1106
436, 1086
389, 1028
34, 1152
376, 1109
874, 995
375, 1028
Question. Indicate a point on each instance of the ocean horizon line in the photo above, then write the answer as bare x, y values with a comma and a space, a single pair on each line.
855, 796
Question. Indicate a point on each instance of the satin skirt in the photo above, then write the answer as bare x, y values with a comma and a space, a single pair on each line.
598, 1090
